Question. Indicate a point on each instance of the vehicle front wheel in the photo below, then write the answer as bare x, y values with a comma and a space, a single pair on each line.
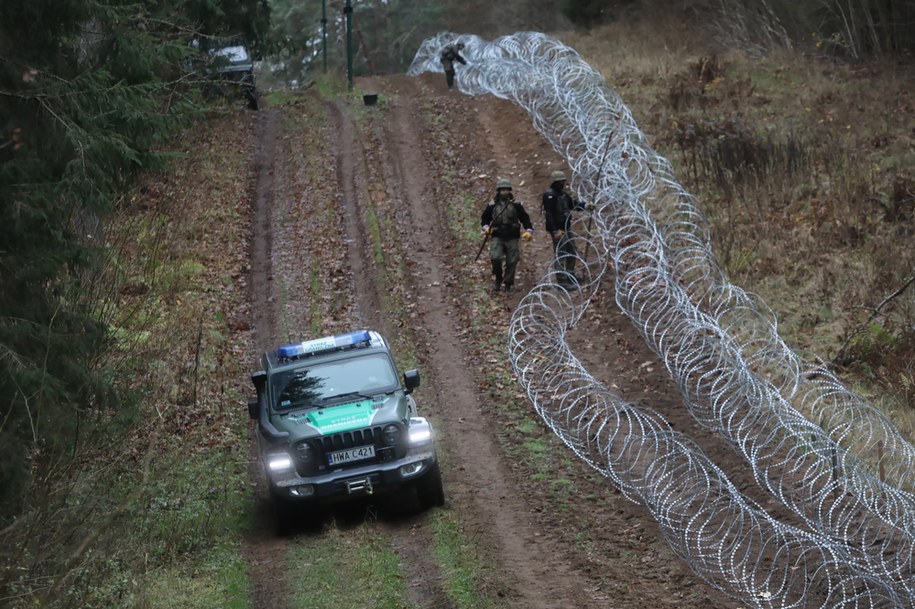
251, 95
429, 489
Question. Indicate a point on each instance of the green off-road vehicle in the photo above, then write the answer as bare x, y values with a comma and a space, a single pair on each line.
334, 421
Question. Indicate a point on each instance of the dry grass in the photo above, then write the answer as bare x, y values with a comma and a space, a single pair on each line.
805, 167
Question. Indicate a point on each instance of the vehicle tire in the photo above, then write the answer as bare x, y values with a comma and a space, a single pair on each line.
252, 100
429, 489
250, 89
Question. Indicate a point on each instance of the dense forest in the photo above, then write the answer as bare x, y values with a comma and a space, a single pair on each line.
90, 95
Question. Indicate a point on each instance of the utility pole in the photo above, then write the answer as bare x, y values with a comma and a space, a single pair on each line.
348, 11
324, 32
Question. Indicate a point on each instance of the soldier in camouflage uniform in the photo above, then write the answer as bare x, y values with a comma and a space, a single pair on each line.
502, 219
557, 207
448, 56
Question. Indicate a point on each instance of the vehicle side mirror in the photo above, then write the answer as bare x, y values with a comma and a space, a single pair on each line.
252, 409
259, 379
410, 380
259, 411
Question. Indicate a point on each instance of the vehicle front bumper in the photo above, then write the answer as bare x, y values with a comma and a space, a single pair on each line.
355, 481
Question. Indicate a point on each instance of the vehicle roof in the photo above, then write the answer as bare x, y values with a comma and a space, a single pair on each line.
273, 361
233, 54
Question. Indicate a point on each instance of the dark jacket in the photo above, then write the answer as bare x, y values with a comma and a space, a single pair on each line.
506, 218
449, 55
557, 209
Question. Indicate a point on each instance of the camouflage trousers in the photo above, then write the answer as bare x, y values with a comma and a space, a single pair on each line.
565, 256
507, 251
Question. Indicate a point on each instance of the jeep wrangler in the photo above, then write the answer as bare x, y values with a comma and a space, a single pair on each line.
335, 422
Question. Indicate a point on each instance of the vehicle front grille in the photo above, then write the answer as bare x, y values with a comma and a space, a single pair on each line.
320, 447
349, 439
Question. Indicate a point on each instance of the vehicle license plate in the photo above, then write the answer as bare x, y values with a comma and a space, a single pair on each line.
351, 454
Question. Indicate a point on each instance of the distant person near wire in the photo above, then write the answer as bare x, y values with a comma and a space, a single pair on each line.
448, 56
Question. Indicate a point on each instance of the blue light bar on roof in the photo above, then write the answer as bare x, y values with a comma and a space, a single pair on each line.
320, 345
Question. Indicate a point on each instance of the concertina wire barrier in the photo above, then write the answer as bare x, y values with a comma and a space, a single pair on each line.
818, 448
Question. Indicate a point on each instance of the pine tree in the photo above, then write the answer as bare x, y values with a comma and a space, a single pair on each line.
87, 91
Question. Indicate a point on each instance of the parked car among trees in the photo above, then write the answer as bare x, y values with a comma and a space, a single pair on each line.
233, 66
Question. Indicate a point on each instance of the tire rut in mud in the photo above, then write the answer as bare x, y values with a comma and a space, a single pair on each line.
263, 550
478, 484
274, 199
411, 537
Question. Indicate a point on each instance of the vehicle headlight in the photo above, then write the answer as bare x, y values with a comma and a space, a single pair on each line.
420, 431
391, 434
277, 462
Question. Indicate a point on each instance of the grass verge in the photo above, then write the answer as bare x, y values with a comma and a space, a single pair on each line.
346, 568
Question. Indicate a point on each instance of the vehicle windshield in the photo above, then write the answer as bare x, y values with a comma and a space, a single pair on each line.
311, 386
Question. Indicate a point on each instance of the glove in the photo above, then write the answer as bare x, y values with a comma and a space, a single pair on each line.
487, 230
526, 235
590, 206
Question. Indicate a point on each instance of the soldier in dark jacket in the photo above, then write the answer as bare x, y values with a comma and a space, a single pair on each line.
557, 208
448, 56
503, 219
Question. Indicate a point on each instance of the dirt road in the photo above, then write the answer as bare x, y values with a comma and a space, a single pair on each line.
410, 166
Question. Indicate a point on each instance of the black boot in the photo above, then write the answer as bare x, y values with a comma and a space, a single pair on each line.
508, 288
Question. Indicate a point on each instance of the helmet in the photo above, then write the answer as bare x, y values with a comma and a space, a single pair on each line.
557, 176
503, 183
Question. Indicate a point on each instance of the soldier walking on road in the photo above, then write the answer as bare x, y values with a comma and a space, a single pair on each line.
557, 207
448, 56
502, 220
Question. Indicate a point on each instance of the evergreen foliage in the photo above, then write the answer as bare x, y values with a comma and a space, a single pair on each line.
386, 34
87, 91
245, 20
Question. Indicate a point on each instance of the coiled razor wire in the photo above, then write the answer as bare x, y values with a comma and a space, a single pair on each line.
821, 450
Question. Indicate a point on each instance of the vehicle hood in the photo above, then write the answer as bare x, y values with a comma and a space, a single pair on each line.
346, 416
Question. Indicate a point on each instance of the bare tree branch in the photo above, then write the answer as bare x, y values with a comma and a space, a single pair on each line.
841, 355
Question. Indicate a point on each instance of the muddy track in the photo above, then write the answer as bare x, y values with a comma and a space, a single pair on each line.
478, 486
481, 487
600, 550
263, 550
411, 538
